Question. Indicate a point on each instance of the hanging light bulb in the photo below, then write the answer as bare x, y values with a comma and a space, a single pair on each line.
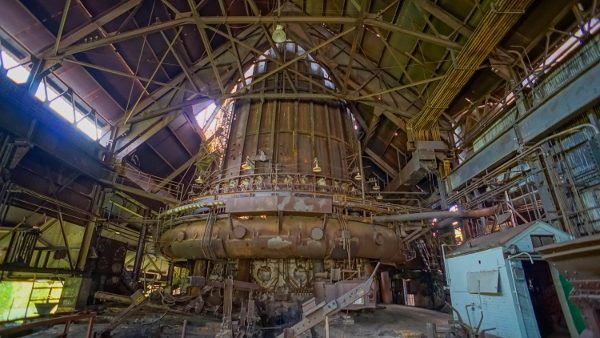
248, 164
279, 34
199, 179
262, 157
379, 197
358, 176
316, 168
376, 187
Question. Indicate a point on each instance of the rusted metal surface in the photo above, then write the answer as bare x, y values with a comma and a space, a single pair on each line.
288, 237
200, 281
578, 261
279, 203
315, 313
386, 288
290, 134
437, 214
23, 329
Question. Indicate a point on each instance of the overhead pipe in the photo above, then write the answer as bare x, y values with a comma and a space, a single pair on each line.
437, 214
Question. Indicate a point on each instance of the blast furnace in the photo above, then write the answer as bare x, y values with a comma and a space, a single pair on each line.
283, 205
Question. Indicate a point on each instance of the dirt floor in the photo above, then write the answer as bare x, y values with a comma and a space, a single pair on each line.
392, 321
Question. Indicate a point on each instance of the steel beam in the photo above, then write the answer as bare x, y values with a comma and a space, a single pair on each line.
188, 19
127, 75
206, 42
495, 24
576, 96
277, 61
445, 17
85, 30
381, 163
34, 122
300, 57
61, 26
146, 134
404, 86
158, 66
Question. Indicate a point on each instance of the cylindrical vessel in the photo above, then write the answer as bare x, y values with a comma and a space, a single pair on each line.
290, 135
284, 206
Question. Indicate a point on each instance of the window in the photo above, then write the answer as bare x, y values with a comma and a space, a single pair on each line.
541, 240
61, 105
17, 73
204, 115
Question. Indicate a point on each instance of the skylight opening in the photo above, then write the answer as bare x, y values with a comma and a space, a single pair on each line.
261, 65
248, 75
16, 72
63, 107
88, 127
203, 115
550, 62
564, 50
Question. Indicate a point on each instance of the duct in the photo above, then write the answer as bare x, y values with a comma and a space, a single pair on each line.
436, 214
262, 237
423, 161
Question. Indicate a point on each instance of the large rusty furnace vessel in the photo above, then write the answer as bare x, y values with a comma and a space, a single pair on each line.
282, 200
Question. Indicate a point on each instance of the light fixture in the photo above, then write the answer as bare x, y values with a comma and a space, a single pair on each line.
316, 168
248, 164
199, 179
358, 176
262, 157
376, 187
379, 197
279, 34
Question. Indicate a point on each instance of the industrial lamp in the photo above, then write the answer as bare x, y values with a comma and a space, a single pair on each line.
316, 168
199, 179
358, 176
376, 187
279, 34
248, 164
379, 197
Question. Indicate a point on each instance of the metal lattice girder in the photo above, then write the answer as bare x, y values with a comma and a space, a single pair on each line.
445, 17
34, 123
578, 94
188, 18
498, 19
80, 33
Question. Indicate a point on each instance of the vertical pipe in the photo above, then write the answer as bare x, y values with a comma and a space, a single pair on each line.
139, 254
199, 269
442, 190
362, 174
386, 288
170, 272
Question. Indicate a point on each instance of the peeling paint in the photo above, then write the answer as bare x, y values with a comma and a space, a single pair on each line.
278, 243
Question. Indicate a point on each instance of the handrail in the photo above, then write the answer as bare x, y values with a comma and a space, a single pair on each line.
67, 320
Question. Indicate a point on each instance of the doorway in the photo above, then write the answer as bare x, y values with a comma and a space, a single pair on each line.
544, 299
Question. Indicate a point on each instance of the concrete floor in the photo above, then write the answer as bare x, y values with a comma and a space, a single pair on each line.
393, 321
